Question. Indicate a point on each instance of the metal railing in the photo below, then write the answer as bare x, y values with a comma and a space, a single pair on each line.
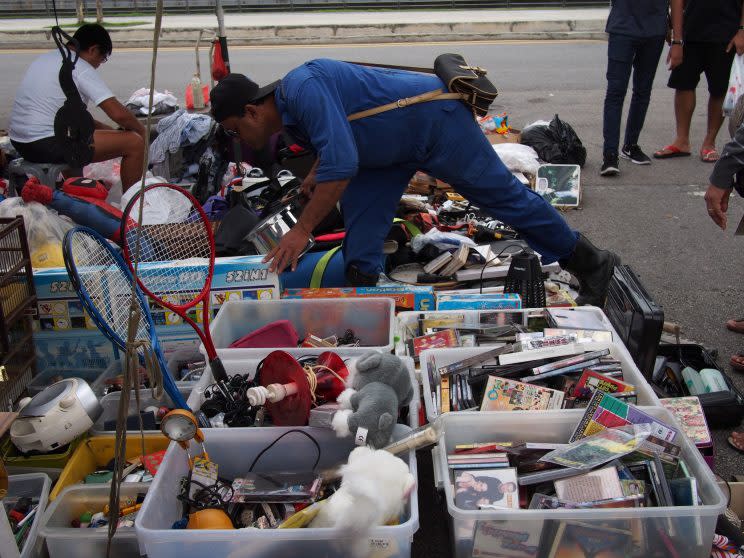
21, 8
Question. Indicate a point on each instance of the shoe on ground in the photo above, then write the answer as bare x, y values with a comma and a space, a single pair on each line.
610, 165
593, 268
635, 154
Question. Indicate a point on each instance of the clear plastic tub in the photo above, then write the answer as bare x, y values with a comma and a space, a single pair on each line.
52, 375
234, 449
692, 527
631, 374
175, 362
371, 319
64, 541
249, 366
110, 404
34, 486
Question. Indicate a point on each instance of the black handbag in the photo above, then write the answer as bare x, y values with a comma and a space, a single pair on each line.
464, 82
469, 81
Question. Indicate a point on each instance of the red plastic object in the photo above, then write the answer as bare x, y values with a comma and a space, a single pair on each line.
280, 333
329, 385
281, 368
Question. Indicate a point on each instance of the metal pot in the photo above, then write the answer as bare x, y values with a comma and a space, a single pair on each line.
268, 233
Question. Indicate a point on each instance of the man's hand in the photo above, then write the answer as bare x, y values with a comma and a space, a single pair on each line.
716, 199
674, 56
288, 251
737, 42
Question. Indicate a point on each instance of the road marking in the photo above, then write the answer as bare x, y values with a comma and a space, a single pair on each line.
340, 45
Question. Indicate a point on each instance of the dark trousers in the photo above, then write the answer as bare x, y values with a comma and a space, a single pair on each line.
626, 54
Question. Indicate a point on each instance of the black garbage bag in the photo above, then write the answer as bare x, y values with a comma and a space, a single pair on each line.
556, 143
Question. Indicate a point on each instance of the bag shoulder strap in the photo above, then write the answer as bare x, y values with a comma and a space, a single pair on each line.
436, 95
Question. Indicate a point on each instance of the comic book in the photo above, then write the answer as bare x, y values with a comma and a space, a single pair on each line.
502, 394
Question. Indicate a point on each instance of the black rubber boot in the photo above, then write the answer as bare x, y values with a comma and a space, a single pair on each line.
357, 278
593, 268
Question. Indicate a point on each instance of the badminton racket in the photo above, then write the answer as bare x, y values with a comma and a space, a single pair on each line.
177, 234
103, 284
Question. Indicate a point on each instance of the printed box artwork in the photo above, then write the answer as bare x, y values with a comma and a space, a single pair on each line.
486, 488
409, 297
66, 337
240, 278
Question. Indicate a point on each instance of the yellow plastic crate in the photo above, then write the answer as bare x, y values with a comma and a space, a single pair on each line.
95, 453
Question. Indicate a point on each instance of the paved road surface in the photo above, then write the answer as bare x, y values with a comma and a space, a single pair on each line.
653, 216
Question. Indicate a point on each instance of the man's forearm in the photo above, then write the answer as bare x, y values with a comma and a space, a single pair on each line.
101, 125
129, 122
677, 17
325, 197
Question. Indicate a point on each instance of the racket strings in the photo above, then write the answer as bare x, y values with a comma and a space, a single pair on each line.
107, 285
184, 248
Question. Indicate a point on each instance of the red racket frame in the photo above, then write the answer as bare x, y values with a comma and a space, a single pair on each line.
218, 370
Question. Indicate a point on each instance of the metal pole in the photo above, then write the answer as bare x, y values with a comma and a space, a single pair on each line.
221, 33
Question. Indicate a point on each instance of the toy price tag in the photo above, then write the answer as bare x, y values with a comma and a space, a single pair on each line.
361, 436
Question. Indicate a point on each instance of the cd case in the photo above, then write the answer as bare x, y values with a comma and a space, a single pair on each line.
276, 487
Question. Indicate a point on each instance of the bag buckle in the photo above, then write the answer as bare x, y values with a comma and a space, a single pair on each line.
402, 103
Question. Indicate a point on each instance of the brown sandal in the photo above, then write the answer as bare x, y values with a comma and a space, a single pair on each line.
736, 441
737, 362
736, 325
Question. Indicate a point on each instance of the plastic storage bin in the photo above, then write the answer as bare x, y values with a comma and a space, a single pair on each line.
110, 404
34, 486
693, 526
50, 463
95, 378
234, 449
175, 362
249, 366
631, 374
63, 541
96, 453
371, 319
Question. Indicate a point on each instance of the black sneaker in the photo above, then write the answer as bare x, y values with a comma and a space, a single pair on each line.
610, 166
634, 153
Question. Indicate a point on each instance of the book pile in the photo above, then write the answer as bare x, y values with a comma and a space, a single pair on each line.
617, 457
533, 374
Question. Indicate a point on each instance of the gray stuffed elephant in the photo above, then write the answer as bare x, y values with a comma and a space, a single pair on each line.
379, 386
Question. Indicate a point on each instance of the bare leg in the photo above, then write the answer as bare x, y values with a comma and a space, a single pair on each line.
684, 106
715, 121
130, 146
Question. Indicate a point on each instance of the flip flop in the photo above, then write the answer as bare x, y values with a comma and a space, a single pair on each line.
738, 446
709, 155
737, 362
670, 152
736, 325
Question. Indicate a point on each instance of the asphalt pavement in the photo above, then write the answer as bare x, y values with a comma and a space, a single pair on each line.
653, 216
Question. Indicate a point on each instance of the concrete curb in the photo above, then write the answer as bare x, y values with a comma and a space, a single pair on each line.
329, 34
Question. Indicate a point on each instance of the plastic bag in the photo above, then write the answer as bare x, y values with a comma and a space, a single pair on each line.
518, 157
442, 240
108, 172
162, 205
45, 229
556, 143
736, 85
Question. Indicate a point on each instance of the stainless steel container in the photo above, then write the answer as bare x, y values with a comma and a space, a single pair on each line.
268, 233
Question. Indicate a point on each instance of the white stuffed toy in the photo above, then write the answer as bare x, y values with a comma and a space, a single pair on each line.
375, 487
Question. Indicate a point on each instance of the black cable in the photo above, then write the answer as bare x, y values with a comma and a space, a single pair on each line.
267, 448
496, 257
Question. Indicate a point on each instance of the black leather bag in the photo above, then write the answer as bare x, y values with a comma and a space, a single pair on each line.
469, 81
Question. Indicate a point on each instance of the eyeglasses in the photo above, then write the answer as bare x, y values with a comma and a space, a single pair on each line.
231, 133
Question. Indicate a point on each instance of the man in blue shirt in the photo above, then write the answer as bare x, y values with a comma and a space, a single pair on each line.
366, 164
636, 31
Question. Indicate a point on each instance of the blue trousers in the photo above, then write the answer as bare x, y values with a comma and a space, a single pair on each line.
626, 54
459, 154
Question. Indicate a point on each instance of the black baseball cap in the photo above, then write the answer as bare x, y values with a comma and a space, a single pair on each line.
233, 92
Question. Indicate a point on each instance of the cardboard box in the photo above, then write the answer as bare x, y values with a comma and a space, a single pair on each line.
406, 297
67, 338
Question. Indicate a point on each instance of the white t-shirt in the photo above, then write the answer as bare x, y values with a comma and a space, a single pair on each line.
40, 96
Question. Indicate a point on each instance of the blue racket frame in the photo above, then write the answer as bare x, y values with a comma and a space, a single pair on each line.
169, 384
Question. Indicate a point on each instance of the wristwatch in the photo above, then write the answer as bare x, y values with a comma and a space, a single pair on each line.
677, 43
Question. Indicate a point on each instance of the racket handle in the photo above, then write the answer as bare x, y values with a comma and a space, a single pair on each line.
218, 370
271, 393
